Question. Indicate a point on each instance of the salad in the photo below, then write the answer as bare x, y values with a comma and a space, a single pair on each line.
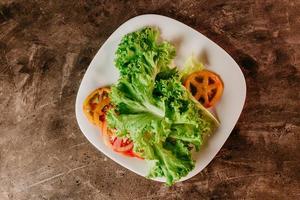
156, 112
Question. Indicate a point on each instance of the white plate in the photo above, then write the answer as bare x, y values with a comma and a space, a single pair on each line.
102, 72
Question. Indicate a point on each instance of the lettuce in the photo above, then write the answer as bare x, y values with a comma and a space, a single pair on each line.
191, 65
153, 109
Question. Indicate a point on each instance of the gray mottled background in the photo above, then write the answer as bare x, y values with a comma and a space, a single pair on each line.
45, 49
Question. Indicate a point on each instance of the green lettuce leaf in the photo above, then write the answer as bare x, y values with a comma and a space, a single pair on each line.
191, 65
153, 109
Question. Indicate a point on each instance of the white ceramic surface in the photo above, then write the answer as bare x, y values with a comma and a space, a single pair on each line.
187, 41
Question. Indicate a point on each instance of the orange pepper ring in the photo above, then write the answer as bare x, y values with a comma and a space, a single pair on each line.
206, 83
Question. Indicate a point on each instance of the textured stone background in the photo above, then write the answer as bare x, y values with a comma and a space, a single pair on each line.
45, 49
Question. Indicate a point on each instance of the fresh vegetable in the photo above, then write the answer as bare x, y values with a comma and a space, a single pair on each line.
95, 108
153, 109
118, 144
100, 112
91, 104
190, 66
205, 86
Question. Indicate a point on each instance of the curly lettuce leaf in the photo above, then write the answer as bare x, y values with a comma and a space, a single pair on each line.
153, 109
191, 65
173, 160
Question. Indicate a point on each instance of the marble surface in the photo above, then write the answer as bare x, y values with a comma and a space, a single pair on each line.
45, 49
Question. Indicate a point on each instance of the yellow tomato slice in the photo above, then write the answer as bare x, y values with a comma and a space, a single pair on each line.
91, 102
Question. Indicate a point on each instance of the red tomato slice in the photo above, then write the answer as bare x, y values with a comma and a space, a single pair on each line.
95, 108
120, 145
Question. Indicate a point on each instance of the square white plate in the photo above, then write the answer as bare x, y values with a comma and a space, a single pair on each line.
187, 41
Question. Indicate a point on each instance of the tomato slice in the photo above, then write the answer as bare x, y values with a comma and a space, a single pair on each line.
205, 86
91, 102
95, 108
100, 112
120, 145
